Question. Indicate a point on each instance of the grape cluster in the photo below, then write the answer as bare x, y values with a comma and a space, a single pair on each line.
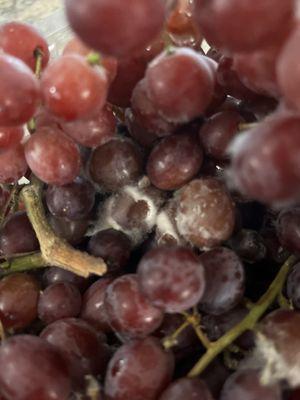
152, 253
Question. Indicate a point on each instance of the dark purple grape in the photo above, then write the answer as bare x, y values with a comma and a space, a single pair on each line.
278, 345
205, 213
249, 245
17, 235
186, 388
57, 301
93, 310
72, 231
34, 370
129, 312
59, 275
287, 227
215, 376
246, 385
19, 294
225, 281
115, 164
174, 161
293, 286
113, 246
139, 370
73, 201
172, 278
83, 349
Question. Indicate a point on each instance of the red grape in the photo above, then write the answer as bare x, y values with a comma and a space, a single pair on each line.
44, 118
225, 281
249, 245
287, 228
217, 132
137, 131
57, 301
94, 131
187, 388
19, 91
93, 310
241, 25
245, 384
129, 312
265, 160
180, 84
73, 201
113, 246
13, 164
57, 275
172, 278
205, 213
72, 231
146, 113
293, 286
52, 156
80, 345
287, 70
69, 97
10, 136
21, 40
116, 28
35, 370
19, 295
139, 370
174, 161
115, 164
76, 46
17, 235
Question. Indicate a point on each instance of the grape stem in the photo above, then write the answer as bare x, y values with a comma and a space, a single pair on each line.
171, 341
38, 55
94, 58
21, 264
248, 323
56, 251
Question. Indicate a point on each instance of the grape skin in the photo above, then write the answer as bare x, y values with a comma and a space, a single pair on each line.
139, 370
13, 164
187, 388
10, 136
292, 286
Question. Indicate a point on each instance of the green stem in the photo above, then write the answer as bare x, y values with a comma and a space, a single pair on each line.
171, 341
21, 264
94, 58
56, 251
38, 54
248, 322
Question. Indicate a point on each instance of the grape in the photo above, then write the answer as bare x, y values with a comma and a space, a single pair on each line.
130, 71
249, 245
225, 281
80, 345
293, 287
4, 197
71, 98
93, 310
94, 131
287, 67
240, 26
58, 275
146, 113
205, 213
76, 46
115, 164
19, 295
10, 136
217, 132
73, 201
72, 231
187, 388
17, 235
116, 28
174, 161
139, 370
52, 156
13, 164
180, 84
129, 312
137, 131
257, 70
278, 345
246, 385
113, 246
265, 161
21, 40
35, 370
215, 376
172, 278
44, 118
57, 301
19, 91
